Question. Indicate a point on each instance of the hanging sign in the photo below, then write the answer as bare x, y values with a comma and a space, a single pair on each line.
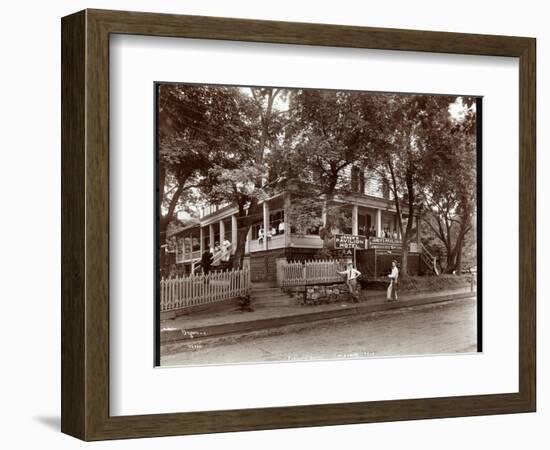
384, 243
345, 241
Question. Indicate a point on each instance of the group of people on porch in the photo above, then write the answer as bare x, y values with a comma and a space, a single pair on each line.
270, 232
385, 233
213, 256
275, 230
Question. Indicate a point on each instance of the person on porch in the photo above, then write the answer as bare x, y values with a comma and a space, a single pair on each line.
226, 250
261, 235
391, 294
206, 261
352, 274
216, 255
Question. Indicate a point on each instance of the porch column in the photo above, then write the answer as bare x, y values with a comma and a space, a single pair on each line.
248, 238
354, 220
201, 239
266, 223
287, 204
182, 248
418, 229
379, 222
234, 232
211, 232
222, 231
324, 215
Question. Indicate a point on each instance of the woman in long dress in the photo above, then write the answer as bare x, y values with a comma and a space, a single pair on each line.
226, 250
391, 294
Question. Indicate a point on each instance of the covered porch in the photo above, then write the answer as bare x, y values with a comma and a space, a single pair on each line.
372, 218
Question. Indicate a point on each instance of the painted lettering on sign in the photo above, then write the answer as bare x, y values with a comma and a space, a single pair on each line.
384, 243
349, 241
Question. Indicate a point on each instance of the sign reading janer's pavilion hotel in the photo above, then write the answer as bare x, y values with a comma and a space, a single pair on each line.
288, 197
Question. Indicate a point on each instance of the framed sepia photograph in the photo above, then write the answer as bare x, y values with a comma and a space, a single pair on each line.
273, 225
276, 204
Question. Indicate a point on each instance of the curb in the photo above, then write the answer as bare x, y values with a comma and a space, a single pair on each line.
211, 331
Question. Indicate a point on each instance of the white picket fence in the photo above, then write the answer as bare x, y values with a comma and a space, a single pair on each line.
300, 273
182, 292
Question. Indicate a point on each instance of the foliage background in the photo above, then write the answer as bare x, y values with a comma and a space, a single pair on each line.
239, 145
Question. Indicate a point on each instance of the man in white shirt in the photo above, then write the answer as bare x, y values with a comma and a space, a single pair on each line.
391, 294
351, 280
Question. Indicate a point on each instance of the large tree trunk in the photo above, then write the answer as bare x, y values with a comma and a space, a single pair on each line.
245, 221
459, 260
459, 246
404, 261
161, 181
164, 264
327, 223
404, 272
406, 235
165, 220
246, 218
451, 261
238, 258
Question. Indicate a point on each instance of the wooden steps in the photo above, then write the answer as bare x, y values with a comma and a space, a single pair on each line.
268, 294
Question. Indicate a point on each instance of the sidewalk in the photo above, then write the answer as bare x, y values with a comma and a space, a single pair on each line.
232, 321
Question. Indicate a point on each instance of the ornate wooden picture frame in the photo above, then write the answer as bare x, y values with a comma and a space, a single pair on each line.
85, 224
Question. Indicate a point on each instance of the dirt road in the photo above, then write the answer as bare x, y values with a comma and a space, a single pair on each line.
448, 327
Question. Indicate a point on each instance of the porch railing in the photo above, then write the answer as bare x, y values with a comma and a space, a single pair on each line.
182, 292
216, 259
300, 273
428, 259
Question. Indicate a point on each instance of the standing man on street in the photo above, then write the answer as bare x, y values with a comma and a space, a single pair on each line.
351, 280
391, 294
